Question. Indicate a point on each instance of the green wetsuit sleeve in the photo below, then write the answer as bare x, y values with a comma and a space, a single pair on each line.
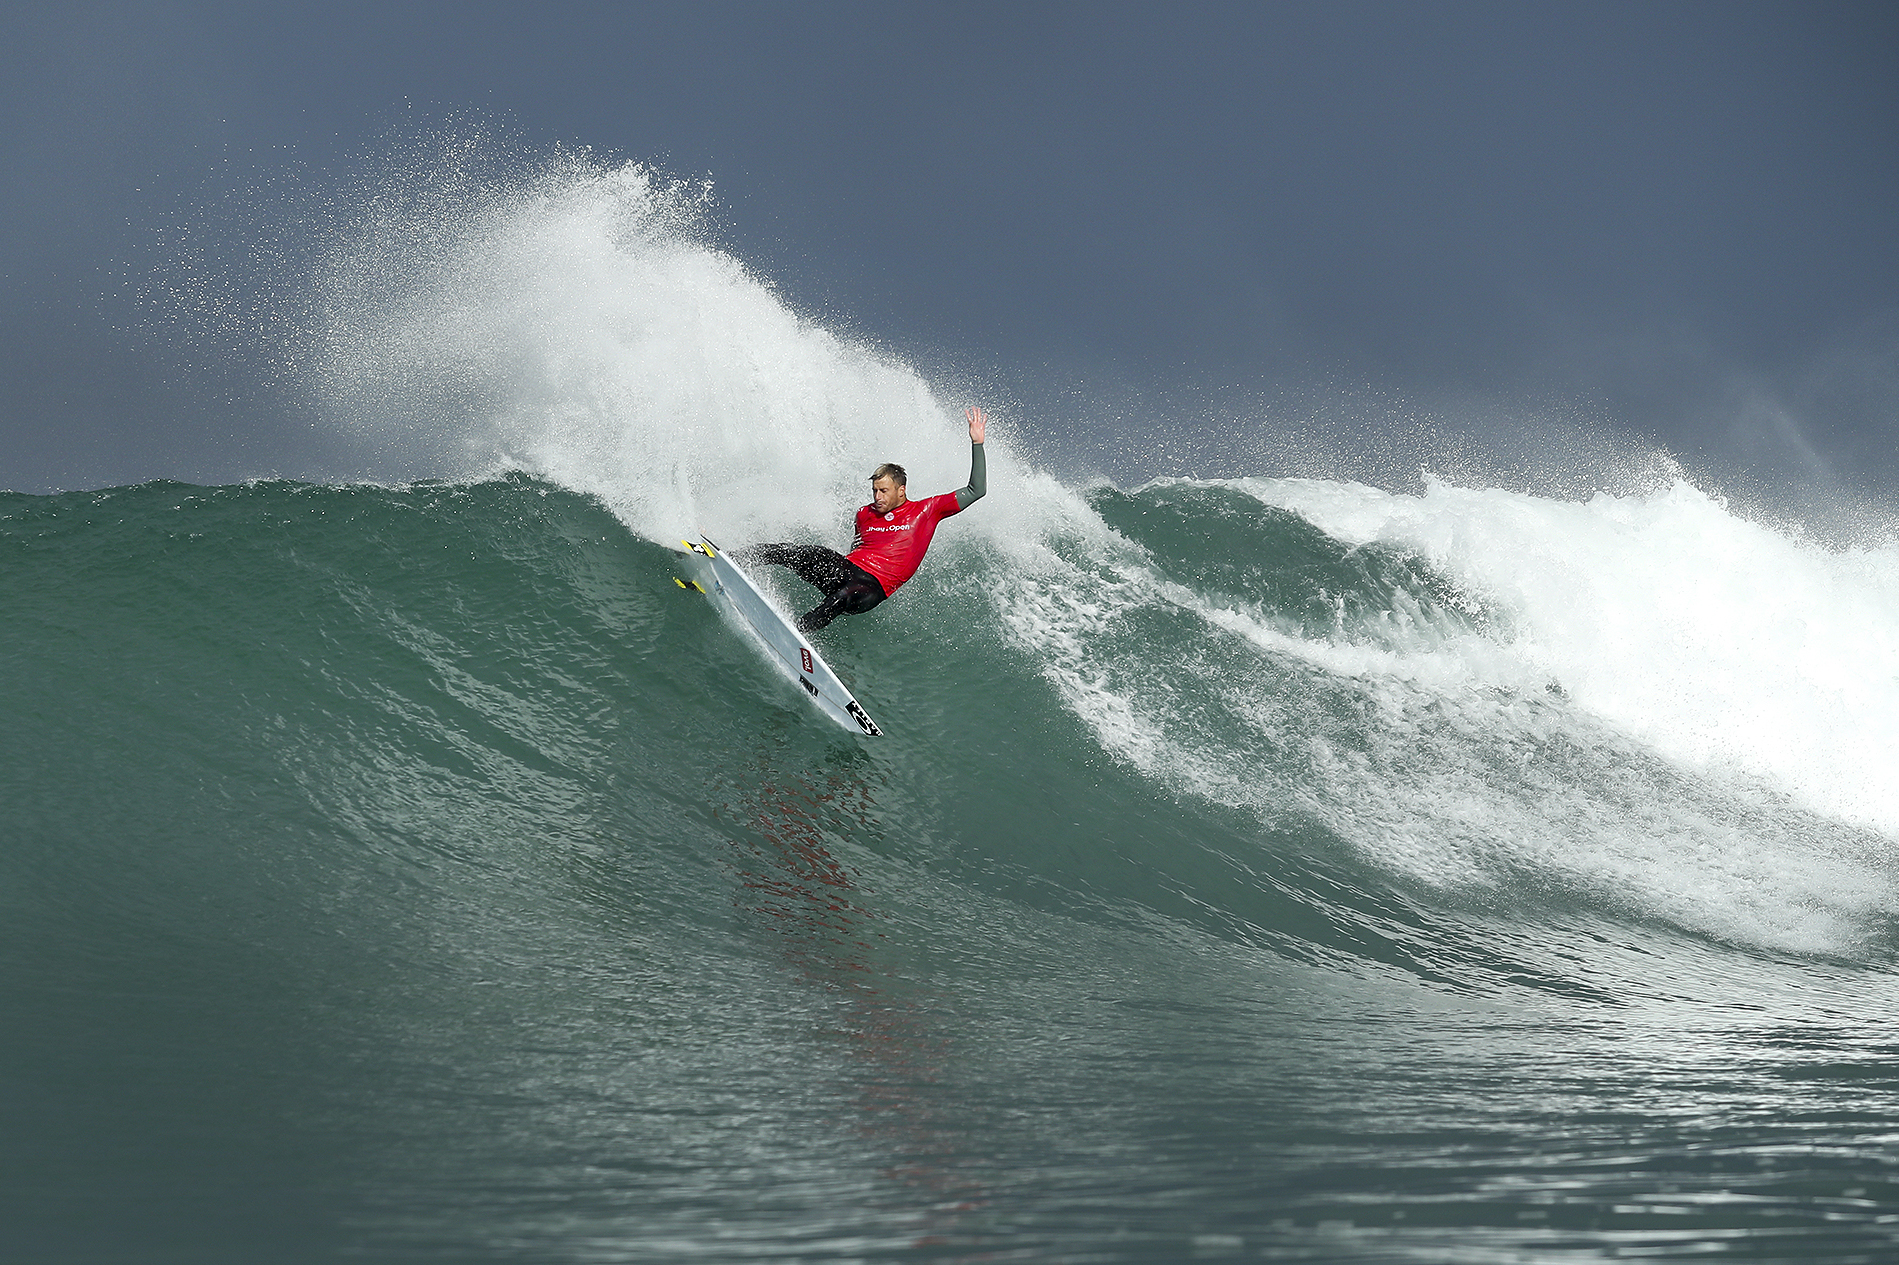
978, 480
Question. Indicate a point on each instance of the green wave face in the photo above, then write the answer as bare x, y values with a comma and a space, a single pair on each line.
418, 870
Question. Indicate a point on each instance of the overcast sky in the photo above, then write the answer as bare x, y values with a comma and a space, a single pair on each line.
1681, 220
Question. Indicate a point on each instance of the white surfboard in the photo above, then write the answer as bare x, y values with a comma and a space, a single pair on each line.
733, 592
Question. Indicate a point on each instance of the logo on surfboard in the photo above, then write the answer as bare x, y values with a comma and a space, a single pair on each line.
863, 720
804, 657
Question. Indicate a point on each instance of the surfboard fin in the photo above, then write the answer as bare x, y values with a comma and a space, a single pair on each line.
688, 584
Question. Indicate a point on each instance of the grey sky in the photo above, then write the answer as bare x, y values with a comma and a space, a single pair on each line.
1677, 218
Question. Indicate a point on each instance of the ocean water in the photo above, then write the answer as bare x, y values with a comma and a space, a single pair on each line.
1254, 869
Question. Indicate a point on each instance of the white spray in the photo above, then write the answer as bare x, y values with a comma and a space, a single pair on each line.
578, 325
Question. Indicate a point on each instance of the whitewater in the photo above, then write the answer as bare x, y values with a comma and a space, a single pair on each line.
400, 866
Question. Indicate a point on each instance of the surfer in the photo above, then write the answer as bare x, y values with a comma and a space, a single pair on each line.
893, 532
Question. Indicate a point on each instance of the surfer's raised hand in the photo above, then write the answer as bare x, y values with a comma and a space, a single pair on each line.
977, 420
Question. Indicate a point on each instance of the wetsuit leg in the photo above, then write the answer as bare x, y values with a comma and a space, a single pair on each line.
817, 566
848, 589
854, 597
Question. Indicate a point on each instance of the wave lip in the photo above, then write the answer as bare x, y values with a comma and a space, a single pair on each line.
1434, 681
1721, 643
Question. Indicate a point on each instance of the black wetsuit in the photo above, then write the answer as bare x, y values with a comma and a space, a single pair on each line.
848, 589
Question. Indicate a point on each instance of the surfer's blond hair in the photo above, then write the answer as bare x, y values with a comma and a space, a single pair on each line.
890, 470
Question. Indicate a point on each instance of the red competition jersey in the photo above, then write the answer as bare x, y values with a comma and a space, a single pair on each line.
890, 546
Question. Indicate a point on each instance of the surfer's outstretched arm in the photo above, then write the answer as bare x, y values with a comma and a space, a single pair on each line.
978, 469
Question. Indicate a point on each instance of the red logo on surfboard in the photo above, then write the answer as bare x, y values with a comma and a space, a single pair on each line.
804, 655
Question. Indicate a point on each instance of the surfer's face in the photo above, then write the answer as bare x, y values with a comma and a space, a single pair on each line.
886, 494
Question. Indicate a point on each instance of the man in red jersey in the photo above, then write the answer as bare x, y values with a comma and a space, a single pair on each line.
893, 532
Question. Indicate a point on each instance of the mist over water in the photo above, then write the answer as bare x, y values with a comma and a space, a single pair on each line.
579, 324
1256, 866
